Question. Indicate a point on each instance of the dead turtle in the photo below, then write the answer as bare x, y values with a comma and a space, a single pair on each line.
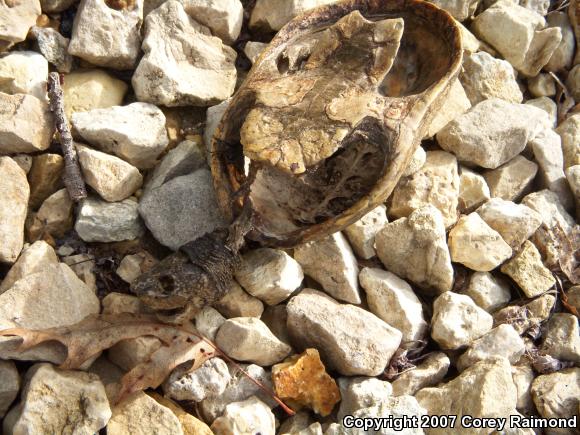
317, 135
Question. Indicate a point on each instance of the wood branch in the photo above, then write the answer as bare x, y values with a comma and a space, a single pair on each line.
73, 179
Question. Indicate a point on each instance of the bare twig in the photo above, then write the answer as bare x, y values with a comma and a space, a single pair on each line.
72, 177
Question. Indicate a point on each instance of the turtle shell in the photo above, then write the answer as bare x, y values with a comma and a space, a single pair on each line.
330, 114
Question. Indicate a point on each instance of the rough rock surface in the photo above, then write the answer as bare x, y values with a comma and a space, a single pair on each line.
15, 21
511, 180
562, 337
349, 339
9, 385
457, 104
556, 395
54, 47
361, 234
14, 193
24, 72
361, 392
45, 177
54, 217
542, 85
208, 321
33, 259
415, 248
429, 373
460, 10
473, 190
569, 131
209, 380
223, 17
273, 14
488, 291
247, 417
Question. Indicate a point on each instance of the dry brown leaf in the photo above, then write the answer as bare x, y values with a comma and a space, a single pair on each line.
97, 333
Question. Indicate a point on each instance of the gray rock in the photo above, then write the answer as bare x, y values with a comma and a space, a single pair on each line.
209, 380
208, 321
253, 49
9, 385
182, 209
562, 337
101, 221
428, 373
54, 47
247, 417
511, 180
361, 392
361, 234
564, 54
542, 85
14, 194
349, 339
569, 131
523, 376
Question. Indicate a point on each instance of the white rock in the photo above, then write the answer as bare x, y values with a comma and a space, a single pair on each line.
141, 411
213, 117
251, 416
361, 392
331, 262
273, 14
270, 275
249, 339
436, 183
564, 54
428, 373
488, 291
15, 21
523, 377
547, 105
511, 180
502, 341
131, 266
55, 216
484, 76
569, 131
107, 36
562, 337
461, 10
393, 300
26, 124
60, 401
208, 321
515, 222
253, 49
136, 133
457, 321
361, 234
100, 221
54, 47
182, 209
417, 161
542, 85
223, 17
238, 303
539, 6
470, 43
457, 103
556, 395
183, 64
349, 339
547, 148
485, 389
415, 249
14, 194
33, 259
518, 34
476, 245
492, 132
112, 178
528, 271
9, 385
473, 190
209, 380
24, 72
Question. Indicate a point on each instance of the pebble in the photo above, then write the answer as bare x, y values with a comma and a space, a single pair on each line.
569, 131
523, 376
473, 190
428, 373
573, 82
249, 339
542, 85
362, 392
488, 291
59, 401
331, 262
492, 133
223, 17
302, 380
476, 245
415, 249
101, 221
45, 177
169, 74
91, 89
436, 183
361, 234
556, 394
54, 217
54, 47
16, 18
14, 193
503, 341
563, 56
528, 271
208, 321
9, 385
253, 49
252, 416
33, 259
238, 303
456, 104
519, 34
26, 124
391, 299
270, 275
106, 36
562, 337
457, 321
484, 76
24, 72
209, 380
485, 389
512, 180
350, 339
133, 265
182, 209
136, 133
272, 15
141, 411
547, 105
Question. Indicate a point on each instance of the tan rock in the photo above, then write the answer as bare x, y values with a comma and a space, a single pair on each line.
54, 217
542, 85
24, 161
116, 303
361, 234
511, 180
127, 354
238, 303
428, 373
547, 105
14, 193
9, 385
133, 265
302, 380
361, 392
556, 395
569, 131
562, 337
526, 316
273, 14
24, 72
460, 10
248, 417
417, 161
45, 177
523, 376
189, 424
457, 103
473, 190
15, 21
84, 266
488, 291
528, 271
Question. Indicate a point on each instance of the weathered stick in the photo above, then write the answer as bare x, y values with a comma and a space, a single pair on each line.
73, 179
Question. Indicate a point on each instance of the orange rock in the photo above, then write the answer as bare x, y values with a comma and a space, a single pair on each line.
302, 380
